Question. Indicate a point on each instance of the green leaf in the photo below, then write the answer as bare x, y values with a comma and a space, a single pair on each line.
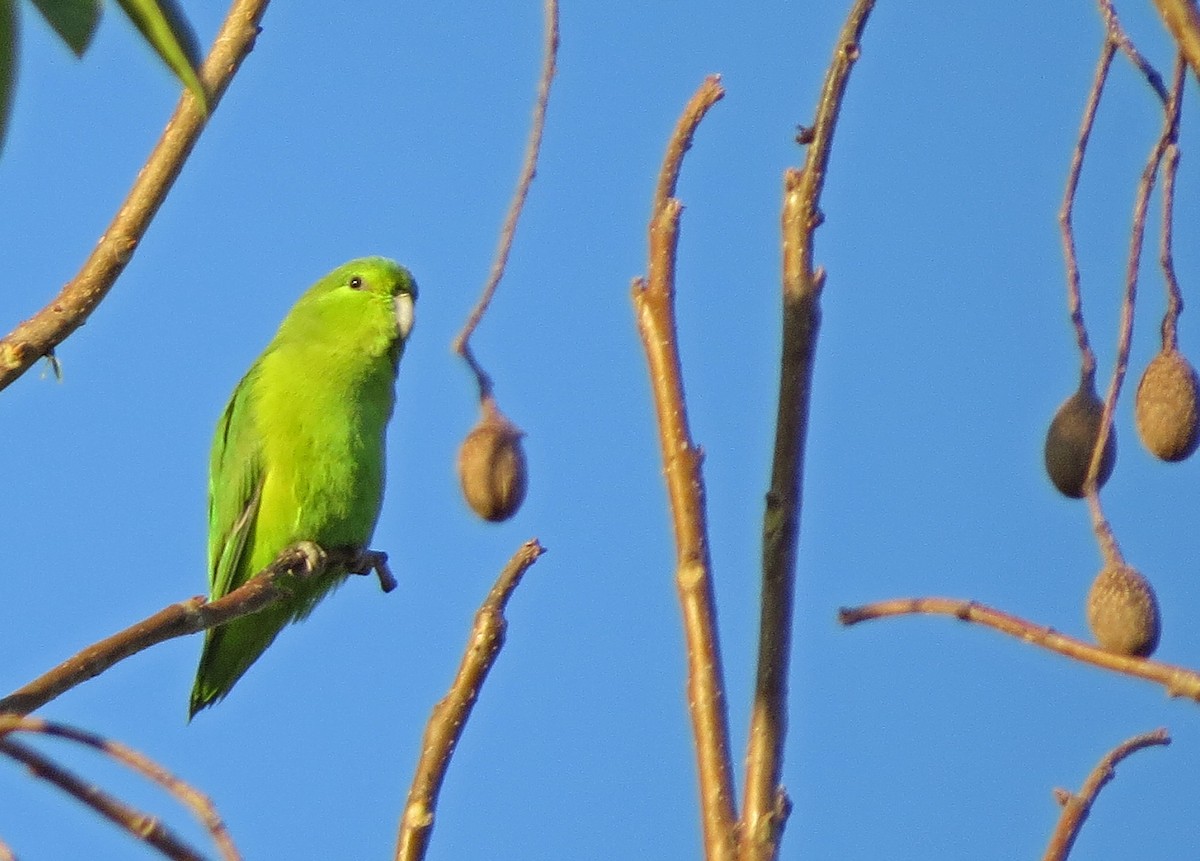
164, 26
8, 61
73, 20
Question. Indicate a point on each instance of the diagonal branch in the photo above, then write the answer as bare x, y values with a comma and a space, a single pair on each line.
450, 715
1116, 35
70, 309
145, 828
191, 616
765, 806
142, 827
1178, 681
654, 304
1077, 807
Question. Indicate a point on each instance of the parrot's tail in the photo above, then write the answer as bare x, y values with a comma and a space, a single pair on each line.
229, 651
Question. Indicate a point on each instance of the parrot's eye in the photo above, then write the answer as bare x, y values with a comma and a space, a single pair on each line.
356, 283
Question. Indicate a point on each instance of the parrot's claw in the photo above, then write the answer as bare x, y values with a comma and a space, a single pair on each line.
313, 556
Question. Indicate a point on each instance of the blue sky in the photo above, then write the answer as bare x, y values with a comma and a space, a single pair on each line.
944, 351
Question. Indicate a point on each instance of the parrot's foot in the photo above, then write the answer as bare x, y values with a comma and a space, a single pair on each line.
312, 557
377, 561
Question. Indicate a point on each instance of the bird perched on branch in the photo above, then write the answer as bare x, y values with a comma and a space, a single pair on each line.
298, 453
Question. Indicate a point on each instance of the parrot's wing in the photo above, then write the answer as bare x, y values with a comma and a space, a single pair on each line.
235, 480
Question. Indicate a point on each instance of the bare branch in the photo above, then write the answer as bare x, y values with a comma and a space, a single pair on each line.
41, 333
450, 715
1077, 807
143, 827
1166, 259
799, 274
1117, 35
1115, 38
709, 94
1178, 681
189, 617
1166, 138
1087, 356
140, 825
654, 304
765, 806
462, 344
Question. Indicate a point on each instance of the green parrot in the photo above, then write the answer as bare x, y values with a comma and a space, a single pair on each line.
298, 453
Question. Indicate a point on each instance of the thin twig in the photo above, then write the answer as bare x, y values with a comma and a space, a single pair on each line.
1100, 524
1183, 21
186, 617
1117, 34
1115, 38
140, 825
41, 333
1087, 357
765, 806
147, 828
1170, 323
1077, 807
654, 305
450, 715
801, 275
462, 344
1178, 681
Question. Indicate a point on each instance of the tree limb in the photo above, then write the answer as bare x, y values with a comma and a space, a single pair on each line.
765, 806
654, 304
1077, 807
148, 829
450, 715
189, 617
1178, 681
40, 334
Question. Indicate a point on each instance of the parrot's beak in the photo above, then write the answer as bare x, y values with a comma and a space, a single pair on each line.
404, 314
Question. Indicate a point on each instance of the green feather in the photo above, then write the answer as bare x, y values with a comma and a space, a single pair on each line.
298, 453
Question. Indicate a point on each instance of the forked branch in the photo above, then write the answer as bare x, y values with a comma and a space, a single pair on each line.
1076, 807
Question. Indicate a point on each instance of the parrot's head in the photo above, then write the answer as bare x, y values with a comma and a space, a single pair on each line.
367, 302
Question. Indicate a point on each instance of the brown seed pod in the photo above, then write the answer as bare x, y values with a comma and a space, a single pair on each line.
1123, 612
1071, 439
1166, 407
491, 467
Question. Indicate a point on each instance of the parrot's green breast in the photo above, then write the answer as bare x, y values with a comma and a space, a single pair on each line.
324, 475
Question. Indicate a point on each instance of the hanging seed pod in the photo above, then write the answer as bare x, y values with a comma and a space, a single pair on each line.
491, 466
1071, 440
1166, 407
1123, 612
